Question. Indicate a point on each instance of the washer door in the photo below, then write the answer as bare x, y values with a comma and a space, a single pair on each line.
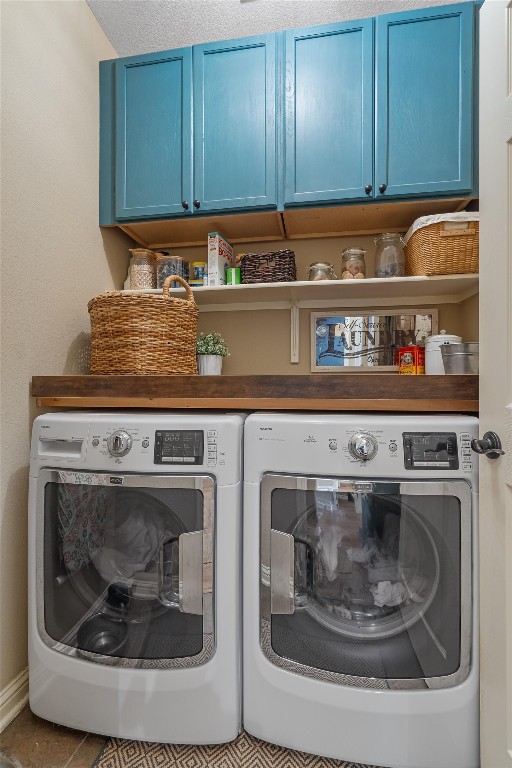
124, 569
367, 581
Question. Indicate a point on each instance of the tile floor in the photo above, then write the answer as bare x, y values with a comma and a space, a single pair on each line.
30, 742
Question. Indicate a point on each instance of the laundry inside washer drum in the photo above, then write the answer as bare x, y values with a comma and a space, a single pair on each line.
366, 566
118, 550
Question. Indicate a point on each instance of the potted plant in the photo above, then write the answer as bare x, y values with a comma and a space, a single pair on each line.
210, 350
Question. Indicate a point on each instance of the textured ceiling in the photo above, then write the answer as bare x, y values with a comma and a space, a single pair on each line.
140, 26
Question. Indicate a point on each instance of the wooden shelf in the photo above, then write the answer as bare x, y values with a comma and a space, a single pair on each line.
316, 392
373, 292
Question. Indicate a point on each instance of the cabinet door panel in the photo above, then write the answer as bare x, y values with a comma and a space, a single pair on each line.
424, 78
153, 134
235, 124
329, 112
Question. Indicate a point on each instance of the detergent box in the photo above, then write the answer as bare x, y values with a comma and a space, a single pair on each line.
220, 256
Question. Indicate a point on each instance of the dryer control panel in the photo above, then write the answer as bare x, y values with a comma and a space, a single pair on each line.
430, 450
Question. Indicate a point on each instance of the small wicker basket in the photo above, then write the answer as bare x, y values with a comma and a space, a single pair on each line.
438, 250
144, 333
273, 267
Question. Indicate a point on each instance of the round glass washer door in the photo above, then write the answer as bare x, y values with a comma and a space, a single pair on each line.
366, 566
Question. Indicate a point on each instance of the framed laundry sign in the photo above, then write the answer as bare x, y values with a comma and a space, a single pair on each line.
366, 341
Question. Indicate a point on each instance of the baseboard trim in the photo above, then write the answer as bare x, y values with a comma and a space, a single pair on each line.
13, 698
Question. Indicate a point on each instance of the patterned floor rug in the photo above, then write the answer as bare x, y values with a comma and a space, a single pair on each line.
244, 752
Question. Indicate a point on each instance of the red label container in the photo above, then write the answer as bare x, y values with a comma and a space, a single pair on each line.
411, 360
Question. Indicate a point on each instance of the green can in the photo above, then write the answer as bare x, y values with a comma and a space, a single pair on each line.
233, 276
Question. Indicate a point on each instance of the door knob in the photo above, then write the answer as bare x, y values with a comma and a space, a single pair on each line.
383, 188
184, 205
368, 189
197, 204
489, 445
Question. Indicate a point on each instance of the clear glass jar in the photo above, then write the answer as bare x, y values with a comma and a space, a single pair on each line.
353, 265
389, 256
167, 265
320, 270
142, 269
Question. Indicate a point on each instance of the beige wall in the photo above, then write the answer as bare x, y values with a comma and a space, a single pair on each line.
54, 259
259, 340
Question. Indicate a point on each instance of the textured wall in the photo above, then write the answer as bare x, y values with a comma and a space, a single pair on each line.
139, 26
55, 258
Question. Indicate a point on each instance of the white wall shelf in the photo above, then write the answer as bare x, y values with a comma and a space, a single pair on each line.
371, 292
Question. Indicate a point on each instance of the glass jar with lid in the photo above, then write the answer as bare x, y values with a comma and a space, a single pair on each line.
389, 256
167, 264
321, 270
142, 269
353, 265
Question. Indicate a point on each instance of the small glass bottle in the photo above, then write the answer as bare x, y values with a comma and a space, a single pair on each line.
353, 265
142, 269
389, 256
321, 270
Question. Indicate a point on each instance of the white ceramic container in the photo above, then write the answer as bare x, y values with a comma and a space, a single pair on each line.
433, 357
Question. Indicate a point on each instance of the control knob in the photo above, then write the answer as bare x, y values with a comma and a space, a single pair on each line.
119, 443
363, 446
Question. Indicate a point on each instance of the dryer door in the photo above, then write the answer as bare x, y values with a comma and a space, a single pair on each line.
367, 583
125, 567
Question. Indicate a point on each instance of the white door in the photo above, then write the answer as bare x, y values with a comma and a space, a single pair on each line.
495, 380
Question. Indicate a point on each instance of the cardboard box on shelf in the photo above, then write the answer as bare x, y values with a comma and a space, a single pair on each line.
220, 256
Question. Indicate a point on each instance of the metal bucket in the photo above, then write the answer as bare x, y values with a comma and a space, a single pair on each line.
460, 358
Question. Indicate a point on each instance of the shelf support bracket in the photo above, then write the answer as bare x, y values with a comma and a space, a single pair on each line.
294, 331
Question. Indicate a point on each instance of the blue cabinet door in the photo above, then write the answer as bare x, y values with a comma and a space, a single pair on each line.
329, 113
235, 124
153, 126
424, 102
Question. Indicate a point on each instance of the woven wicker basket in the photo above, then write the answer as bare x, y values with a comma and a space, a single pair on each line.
273, 267
144, 333
435, 250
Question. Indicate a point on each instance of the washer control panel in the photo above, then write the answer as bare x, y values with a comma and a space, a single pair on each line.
430, 450
179, 446
363, 446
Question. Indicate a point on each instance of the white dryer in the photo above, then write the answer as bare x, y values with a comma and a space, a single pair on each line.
134, 572
360, 587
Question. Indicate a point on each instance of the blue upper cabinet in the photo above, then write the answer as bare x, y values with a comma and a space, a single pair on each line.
424, 102
153, 134
235, 124
329, 113
357, 111
195, 130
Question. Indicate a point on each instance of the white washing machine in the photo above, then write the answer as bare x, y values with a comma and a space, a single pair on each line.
360, 587
134, 572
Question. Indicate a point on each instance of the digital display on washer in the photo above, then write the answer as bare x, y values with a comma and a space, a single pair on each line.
179, 446
430, 450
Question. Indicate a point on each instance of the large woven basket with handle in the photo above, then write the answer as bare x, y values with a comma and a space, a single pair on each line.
144, 333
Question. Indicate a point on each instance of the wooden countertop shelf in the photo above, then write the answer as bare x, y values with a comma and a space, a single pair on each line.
313, 392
